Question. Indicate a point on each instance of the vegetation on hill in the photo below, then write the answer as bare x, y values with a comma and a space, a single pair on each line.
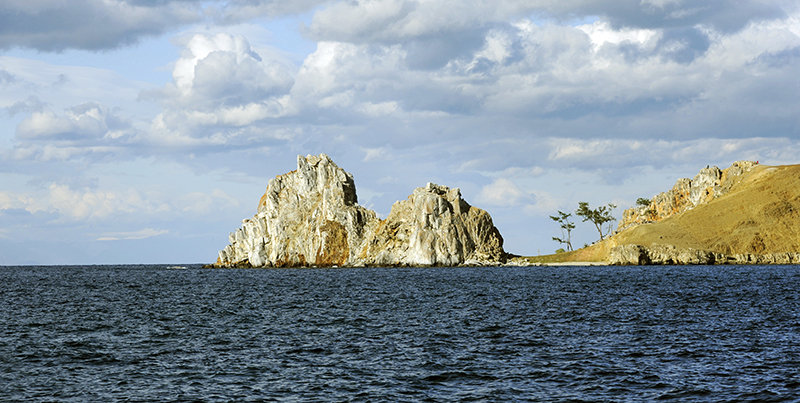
758, 214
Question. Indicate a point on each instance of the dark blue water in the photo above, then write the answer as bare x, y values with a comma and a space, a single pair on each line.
602, 333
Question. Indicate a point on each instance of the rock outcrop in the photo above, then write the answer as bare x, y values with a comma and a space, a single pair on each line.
435, 227
311, 217
631, 254
708, 184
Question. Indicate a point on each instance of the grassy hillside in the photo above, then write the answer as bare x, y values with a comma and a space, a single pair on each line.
760, 214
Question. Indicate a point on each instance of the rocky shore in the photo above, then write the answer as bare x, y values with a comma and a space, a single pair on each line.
671, 255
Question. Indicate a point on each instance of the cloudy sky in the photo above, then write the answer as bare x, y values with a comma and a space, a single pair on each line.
143, 131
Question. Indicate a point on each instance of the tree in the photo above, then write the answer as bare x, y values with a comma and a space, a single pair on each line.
566, 228
598, 216
645, 203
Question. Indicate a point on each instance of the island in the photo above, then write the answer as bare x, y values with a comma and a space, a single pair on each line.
310, 217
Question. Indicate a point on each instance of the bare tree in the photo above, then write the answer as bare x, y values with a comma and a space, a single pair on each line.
566, 228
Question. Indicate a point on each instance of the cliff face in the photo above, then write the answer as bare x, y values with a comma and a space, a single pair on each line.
311, 217
709, 184
435, 227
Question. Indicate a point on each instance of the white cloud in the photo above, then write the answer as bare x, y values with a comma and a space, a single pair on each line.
223, 69
87, 120
205, 203
89, 204
502, 192
132, 235
371, 154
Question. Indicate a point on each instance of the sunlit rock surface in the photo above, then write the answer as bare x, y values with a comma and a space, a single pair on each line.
311, 217
710, 183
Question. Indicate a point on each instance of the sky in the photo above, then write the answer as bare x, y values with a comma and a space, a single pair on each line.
144, 131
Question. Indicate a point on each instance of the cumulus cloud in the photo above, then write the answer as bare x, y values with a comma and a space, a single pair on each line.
221, 89
223, 69
80, 131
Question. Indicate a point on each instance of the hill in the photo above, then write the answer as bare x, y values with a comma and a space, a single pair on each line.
748, 213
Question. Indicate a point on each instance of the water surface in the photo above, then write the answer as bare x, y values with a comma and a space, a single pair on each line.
440, 334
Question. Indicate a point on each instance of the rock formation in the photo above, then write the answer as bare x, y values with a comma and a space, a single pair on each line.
311, 217
435, 227
669, 254
708, 184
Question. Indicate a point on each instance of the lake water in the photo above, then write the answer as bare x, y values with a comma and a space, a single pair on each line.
543, 333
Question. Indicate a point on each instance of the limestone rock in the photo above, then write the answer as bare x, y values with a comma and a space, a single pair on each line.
631, 254
708, 184
311, 217
628, 254
435, 227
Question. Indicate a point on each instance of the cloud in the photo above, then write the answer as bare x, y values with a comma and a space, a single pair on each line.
371, 154
233, 12
199, 203
394, 21
88, 24
518, 82
55, 26
88, 203
58, 25
88, 120
6, 77
222, 88
223, 68
82, 130
132, 235
85, 204
502, 192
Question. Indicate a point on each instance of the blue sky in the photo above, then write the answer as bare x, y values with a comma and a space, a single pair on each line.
136, 131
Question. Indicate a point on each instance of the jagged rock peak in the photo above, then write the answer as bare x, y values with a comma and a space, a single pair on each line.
315, 175
311, 217
709, 184
435, 227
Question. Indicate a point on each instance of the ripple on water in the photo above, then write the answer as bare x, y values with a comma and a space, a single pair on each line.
441, 334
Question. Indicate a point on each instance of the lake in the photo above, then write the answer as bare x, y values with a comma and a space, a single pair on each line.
436, 334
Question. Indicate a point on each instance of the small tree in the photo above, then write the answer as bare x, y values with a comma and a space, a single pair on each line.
645, 204
566, 228
598, 216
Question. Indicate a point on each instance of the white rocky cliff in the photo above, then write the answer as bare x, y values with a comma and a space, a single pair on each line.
435, 226
311, 217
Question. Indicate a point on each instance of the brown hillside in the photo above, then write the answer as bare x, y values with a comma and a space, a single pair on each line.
760, 214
